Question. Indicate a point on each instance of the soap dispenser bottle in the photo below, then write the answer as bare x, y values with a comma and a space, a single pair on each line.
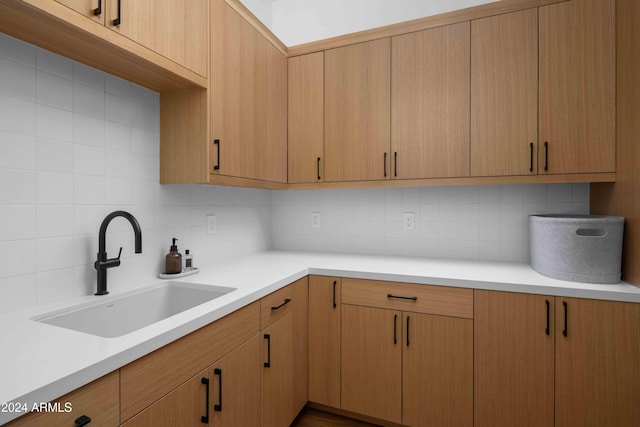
173, 261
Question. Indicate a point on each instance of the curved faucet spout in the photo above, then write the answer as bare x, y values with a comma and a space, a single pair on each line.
103, 263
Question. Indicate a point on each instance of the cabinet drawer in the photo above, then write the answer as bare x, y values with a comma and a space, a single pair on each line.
276, 305
98, 400
441, 300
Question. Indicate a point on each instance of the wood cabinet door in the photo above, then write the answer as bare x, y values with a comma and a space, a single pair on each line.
577, 87
597, 369
183, 407
504, 94
248, 102
306, 118
176, 29
88, 8
235, 398
513, 359
357, 111
430, 103
277, 373
371, 380
437, 371
324, 340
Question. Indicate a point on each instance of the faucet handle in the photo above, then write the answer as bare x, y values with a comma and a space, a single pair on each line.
119, 253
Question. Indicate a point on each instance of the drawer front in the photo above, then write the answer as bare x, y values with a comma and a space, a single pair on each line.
98, 400
276, 305
440, 300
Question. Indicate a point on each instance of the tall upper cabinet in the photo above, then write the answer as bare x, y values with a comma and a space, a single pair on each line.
577, 87
357, 111
430, 103
504, 94
166, 27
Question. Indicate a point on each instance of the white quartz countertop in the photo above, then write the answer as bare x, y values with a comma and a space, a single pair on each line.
40, 362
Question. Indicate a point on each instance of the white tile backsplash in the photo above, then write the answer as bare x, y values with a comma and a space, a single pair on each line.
470, 222
76, 144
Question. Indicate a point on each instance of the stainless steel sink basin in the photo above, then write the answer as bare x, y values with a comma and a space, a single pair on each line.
114, 317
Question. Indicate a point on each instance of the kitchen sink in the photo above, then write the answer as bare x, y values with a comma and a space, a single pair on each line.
117, 316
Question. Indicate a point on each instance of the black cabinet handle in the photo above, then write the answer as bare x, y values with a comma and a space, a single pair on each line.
286, 301
218, 406
205, 418
335, 282
531, 157
385, 164
564, 331
546, 155
547, 330
318, 168
395, 329
395, 163
267, 364
82, 421
117, 21
97, 12
408, 331
401, 297
216, 142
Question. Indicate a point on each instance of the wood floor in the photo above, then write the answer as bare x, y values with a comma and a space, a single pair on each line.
310, 417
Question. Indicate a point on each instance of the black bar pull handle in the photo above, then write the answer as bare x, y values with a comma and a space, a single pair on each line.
319, 169
385, 164
564, 331
278, 307
547, 330
395, 329
216, 142
335, 283
82, 421
531, 157
117, 21
401, 297
395, 163
218, 407
267, 364
546, 155
205, 418
408, 331
98, 10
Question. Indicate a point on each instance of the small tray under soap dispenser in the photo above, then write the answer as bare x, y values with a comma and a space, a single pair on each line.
184, 273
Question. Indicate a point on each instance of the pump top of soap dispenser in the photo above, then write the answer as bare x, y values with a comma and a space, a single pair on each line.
174, 247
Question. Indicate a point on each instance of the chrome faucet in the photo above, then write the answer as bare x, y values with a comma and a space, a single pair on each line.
102, 263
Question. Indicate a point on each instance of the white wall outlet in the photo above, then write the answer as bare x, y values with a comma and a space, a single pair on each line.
315, 219
408, 221
211, 224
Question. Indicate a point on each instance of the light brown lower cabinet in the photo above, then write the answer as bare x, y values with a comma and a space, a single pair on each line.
406, 366
284, 320
98, 401
537, 355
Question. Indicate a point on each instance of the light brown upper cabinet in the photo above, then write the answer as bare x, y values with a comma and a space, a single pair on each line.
249, 102
577, 87
504, 94
176, 29
430, 103
357, 112
306, 118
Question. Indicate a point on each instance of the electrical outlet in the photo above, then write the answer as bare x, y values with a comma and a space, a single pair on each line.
211, 224
315, 219
408, 220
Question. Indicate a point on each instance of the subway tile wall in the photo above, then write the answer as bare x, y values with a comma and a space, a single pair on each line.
76, 144
472, 222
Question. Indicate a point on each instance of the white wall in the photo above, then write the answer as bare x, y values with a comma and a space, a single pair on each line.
301, 21
482, 222
262, 10
76, 144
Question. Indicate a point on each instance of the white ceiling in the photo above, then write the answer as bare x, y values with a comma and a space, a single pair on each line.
301, 21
